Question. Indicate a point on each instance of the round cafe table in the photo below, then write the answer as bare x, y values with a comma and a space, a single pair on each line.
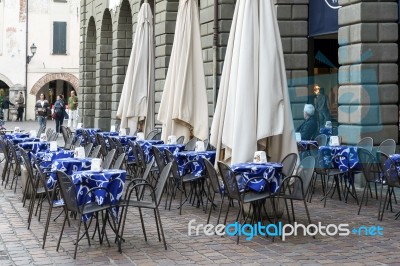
68, 166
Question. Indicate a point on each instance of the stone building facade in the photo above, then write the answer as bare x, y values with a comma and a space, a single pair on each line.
367, 54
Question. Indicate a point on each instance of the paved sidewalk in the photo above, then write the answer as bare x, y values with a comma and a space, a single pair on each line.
20, 246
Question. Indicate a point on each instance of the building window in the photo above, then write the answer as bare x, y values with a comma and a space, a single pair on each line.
59, 37
59, 1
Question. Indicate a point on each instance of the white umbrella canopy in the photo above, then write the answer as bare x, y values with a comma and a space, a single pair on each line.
183, 108
253, 109
137, 94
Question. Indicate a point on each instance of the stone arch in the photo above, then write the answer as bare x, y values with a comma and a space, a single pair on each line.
6, 80
74, 81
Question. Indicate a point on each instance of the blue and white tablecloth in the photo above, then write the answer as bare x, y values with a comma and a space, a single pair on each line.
269, 173
389, 168
46, 158
125, 144
16, 135
326, 130
147, 146
107, 133
306, 143
92, 132
68, 166
188, 161
35, 146
16, 141
113, 180
345, 157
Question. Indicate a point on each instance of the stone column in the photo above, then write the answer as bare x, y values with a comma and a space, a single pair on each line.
292, 18
368, 75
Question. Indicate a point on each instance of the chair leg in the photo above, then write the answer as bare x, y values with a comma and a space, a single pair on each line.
158, 229
380, 202
308, 213
211, 204
237, 220
220, 208
62, 230
384, 204
362, 199
161, 228
141, 220
226, 215
77, 235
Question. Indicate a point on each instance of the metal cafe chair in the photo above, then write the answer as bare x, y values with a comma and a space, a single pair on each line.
142, 195
388, 146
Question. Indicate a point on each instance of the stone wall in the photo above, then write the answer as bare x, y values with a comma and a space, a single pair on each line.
368, 76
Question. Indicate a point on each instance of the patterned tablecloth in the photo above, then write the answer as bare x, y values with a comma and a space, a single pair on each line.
16, 141
46, 158
68, 166
306, 143
113, 180
16, 135
35, 146
147, 148
269, 173
391, 172
92, 132
188, 161
345, 157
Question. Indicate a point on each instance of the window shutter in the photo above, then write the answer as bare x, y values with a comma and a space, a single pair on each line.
59, 37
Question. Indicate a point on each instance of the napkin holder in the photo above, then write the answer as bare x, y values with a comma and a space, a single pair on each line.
298, 137
171, 139
199, 146
53, 146
79, 126
140, 136
17, 130
97, 165
112, 129
79, 152
122, 132
43, 137
260, 157
334, 141
32, 134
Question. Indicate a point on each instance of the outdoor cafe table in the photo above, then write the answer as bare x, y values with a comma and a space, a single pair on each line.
92, 132
68, 166
35, 146
188, 161
16, 135
147, 148
269, 173
111, 179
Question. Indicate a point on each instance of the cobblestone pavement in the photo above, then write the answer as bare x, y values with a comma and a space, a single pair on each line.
20, 246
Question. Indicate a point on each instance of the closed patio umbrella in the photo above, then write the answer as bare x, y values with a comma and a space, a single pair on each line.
183, 108
137, 94
253, 109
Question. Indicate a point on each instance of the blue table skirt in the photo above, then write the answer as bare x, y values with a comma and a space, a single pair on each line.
188, 162
113, 180
345, 157
269, 173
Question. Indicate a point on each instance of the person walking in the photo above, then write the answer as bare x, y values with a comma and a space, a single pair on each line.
42, 108
73, 112
20, 104
6, 106
59, 112
322, 106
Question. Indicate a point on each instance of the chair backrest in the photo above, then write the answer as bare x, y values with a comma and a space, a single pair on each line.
88, 149
152, 133
102, 142
111, 143
54, 136
321, 139
138, 153
95, 152
68, 143
289, 163
212, 176
301, 150
229, 180
366, 143
157, 136
4, 148
369, 165
118, 146
40, 131
169, 156
162, 180
14, 156
108, 159
305, 172
28, 165
160, 158
86, 136
68, 191
389, 169
191, 145
180, 140
78, 142
64, 133
119, 161
49, 133
313, 150
388, 146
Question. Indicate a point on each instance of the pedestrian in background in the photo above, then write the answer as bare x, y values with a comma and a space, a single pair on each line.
59, 112
20, 106
309, 127
322, 106
73, 112
42, 108
6, 106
